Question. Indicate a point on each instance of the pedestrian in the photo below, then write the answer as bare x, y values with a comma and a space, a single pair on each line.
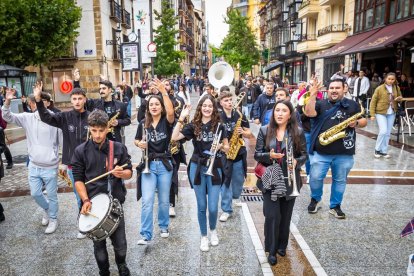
274, 142
128, 93
203, 130
3, 145
91, 159
43, 143
183, 94
158, 125
404, 86
337, 155
201, 85
251, 95
383, 107
361, 87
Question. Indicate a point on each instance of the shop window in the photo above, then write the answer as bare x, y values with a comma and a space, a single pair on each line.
369, 18
379, 18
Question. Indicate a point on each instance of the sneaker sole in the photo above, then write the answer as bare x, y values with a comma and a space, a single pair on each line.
336, 215
164, 236
142, 243
315, 210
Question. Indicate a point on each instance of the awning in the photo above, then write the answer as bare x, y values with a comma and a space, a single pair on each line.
273, 66
11, 71
345, 45
384, 37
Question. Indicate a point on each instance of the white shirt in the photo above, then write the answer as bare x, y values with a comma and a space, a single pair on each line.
364, 86
294, 98
181, 95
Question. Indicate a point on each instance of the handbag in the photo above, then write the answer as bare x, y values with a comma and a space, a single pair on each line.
259, 170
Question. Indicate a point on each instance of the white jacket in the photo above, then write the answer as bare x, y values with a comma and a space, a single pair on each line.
364, 86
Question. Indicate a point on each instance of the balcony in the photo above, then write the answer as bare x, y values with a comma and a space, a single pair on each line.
70, 55
116, 11
308, 43
331, 2
309, 8
332, 34
126, 19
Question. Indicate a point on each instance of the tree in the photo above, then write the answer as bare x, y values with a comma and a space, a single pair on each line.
239, 47
168, 59
34, 31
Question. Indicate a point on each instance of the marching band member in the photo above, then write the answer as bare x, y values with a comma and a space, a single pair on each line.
271, 148
74, 126
337, 154
91, 159
202, 131
159, 121
116, 110
179, 157
235, 123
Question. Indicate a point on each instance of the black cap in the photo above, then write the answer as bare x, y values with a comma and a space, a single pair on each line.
106, 83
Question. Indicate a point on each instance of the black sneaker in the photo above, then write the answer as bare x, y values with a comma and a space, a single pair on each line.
2, 217
9, 166
313, 206
337, 212
123, 270
377, 154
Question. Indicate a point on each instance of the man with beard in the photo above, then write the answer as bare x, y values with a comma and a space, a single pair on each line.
337, 155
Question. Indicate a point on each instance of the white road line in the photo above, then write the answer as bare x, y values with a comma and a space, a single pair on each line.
261, 255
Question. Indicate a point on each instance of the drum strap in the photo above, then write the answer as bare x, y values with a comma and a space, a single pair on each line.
110, 164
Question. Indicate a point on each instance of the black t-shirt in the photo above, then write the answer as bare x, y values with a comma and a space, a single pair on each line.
230, 123
345, 145
202, 143
159, 137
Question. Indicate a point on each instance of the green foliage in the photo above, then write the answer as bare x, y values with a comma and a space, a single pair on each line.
168, 59
239, 46
34, 31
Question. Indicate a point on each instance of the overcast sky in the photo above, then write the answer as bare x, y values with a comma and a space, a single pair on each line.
215, 10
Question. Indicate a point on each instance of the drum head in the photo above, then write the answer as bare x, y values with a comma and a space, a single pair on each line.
100, 207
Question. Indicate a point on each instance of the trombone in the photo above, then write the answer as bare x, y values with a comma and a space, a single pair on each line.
291, 174
145, 151
213, 151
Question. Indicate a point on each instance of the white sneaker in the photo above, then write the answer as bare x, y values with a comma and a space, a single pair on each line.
80, 236
51, 228
224, 217
204, 244
164, 233
237, 202
213, 238
143, 241
172, 211
45, 218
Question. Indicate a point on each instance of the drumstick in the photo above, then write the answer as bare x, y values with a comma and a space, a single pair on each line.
103, 175
91, 214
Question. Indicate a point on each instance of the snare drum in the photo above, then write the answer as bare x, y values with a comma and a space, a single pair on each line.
106, 215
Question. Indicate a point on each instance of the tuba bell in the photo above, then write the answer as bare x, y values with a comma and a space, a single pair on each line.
220, 74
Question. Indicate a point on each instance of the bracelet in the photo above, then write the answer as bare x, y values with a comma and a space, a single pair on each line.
181, 122
86, 200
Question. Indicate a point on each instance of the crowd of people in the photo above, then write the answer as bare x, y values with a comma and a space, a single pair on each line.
295, 130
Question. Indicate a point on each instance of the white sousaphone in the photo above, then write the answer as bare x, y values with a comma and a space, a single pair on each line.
220, 74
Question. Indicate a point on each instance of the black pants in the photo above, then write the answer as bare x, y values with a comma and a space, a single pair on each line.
277, 221
1, 209
4, 147
119, 243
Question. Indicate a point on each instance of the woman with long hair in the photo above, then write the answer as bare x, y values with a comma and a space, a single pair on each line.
158, 124
183, 94
271, 152
201, 131
383, 106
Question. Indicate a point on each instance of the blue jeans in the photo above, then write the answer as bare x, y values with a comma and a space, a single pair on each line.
385, 123
340, 166
129, 108
78, 199
206, 186
249, 109
38, 176
235, 188
159, 179
308, 162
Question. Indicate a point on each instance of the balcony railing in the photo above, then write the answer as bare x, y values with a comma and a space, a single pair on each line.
126, 19
305, 4
333, 29
116, 11
71, 53
189, 32
304, 37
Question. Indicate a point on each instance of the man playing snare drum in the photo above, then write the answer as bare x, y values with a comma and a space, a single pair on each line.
92, 159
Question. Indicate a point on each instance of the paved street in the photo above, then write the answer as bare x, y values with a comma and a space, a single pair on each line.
378, 204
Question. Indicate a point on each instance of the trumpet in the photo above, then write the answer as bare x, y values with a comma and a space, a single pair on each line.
213, 151
291, 175
145, 152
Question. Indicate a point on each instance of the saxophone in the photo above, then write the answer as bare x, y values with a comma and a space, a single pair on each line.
111, 128
338, 131
236, 142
